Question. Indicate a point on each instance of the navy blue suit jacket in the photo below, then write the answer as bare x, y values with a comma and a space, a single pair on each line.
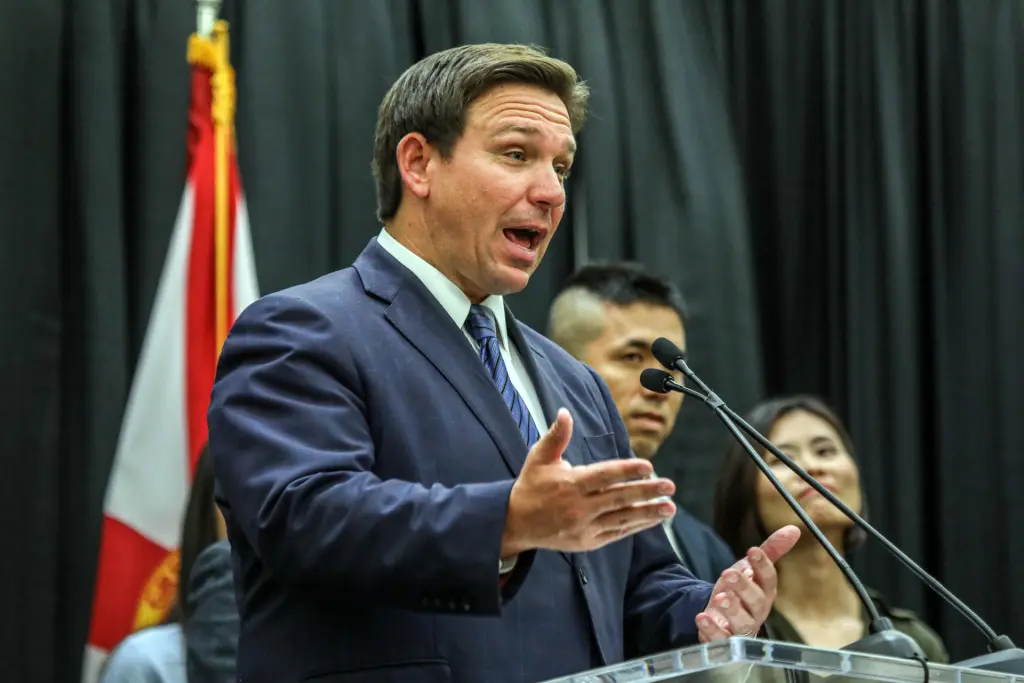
364, 461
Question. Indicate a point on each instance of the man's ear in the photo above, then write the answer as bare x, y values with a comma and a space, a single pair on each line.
414, 156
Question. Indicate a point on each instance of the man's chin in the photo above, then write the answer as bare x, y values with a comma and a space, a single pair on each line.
644, 447
511, 280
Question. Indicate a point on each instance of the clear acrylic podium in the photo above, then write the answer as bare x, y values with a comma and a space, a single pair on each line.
747, 660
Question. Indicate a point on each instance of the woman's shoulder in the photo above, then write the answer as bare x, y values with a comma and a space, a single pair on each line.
152, 655
909, 622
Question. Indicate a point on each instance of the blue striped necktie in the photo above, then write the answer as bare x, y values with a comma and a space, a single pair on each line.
482, 328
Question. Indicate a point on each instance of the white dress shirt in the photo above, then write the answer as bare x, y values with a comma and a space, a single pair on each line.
457, 304
670, 530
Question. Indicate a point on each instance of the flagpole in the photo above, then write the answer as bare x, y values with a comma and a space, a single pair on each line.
223, 106
164, 425
222, 82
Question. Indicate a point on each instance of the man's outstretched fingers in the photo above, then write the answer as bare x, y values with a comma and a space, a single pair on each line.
610, 535
712, 627
748, 592
629, 493
739, 620
640, 514
602, 475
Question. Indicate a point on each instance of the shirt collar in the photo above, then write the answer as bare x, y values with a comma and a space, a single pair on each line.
452, 299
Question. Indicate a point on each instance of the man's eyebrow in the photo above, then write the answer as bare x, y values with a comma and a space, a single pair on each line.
636, 345
517, 128
570, 146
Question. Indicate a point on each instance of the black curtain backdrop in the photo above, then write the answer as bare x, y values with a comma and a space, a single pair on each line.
884, 168
836, 187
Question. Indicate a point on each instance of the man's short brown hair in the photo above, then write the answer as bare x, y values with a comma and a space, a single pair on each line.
433, 95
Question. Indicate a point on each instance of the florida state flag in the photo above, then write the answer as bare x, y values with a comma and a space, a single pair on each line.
208, 277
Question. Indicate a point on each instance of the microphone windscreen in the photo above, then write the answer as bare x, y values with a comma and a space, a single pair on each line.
653, 379
666, 352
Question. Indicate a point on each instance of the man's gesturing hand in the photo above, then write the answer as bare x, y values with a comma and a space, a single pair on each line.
742, 598
556, 506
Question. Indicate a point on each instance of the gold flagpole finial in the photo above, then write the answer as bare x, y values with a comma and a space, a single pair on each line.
207, 12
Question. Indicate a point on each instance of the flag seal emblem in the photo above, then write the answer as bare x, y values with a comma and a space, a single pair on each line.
158, 593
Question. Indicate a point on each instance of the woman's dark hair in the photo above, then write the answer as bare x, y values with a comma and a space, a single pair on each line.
736, 516
199, 529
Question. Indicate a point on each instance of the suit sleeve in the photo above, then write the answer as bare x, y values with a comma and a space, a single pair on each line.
662, 598
294, 456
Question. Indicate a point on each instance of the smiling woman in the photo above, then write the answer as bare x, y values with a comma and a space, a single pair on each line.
815, 604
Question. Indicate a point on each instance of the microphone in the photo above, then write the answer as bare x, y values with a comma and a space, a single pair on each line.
884, 638
1004, 656
660, 382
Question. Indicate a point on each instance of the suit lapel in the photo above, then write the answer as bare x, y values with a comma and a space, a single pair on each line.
417, 315
550, 392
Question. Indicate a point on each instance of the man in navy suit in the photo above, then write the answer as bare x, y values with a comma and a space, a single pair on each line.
416, 487
607, 316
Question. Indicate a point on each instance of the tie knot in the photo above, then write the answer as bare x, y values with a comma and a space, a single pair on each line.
481, 324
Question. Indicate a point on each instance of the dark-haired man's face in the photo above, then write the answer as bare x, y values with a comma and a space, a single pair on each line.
493, 206
621, 353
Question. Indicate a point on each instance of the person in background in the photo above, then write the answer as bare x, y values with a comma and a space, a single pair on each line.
816, 605
607, 316
211, 622
198, 642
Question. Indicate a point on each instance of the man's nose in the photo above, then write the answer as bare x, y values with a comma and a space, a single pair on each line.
548, 189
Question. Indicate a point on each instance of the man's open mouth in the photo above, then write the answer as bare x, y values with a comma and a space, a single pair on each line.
526, 238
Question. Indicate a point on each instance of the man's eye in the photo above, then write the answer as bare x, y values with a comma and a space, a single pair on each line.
517, 154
